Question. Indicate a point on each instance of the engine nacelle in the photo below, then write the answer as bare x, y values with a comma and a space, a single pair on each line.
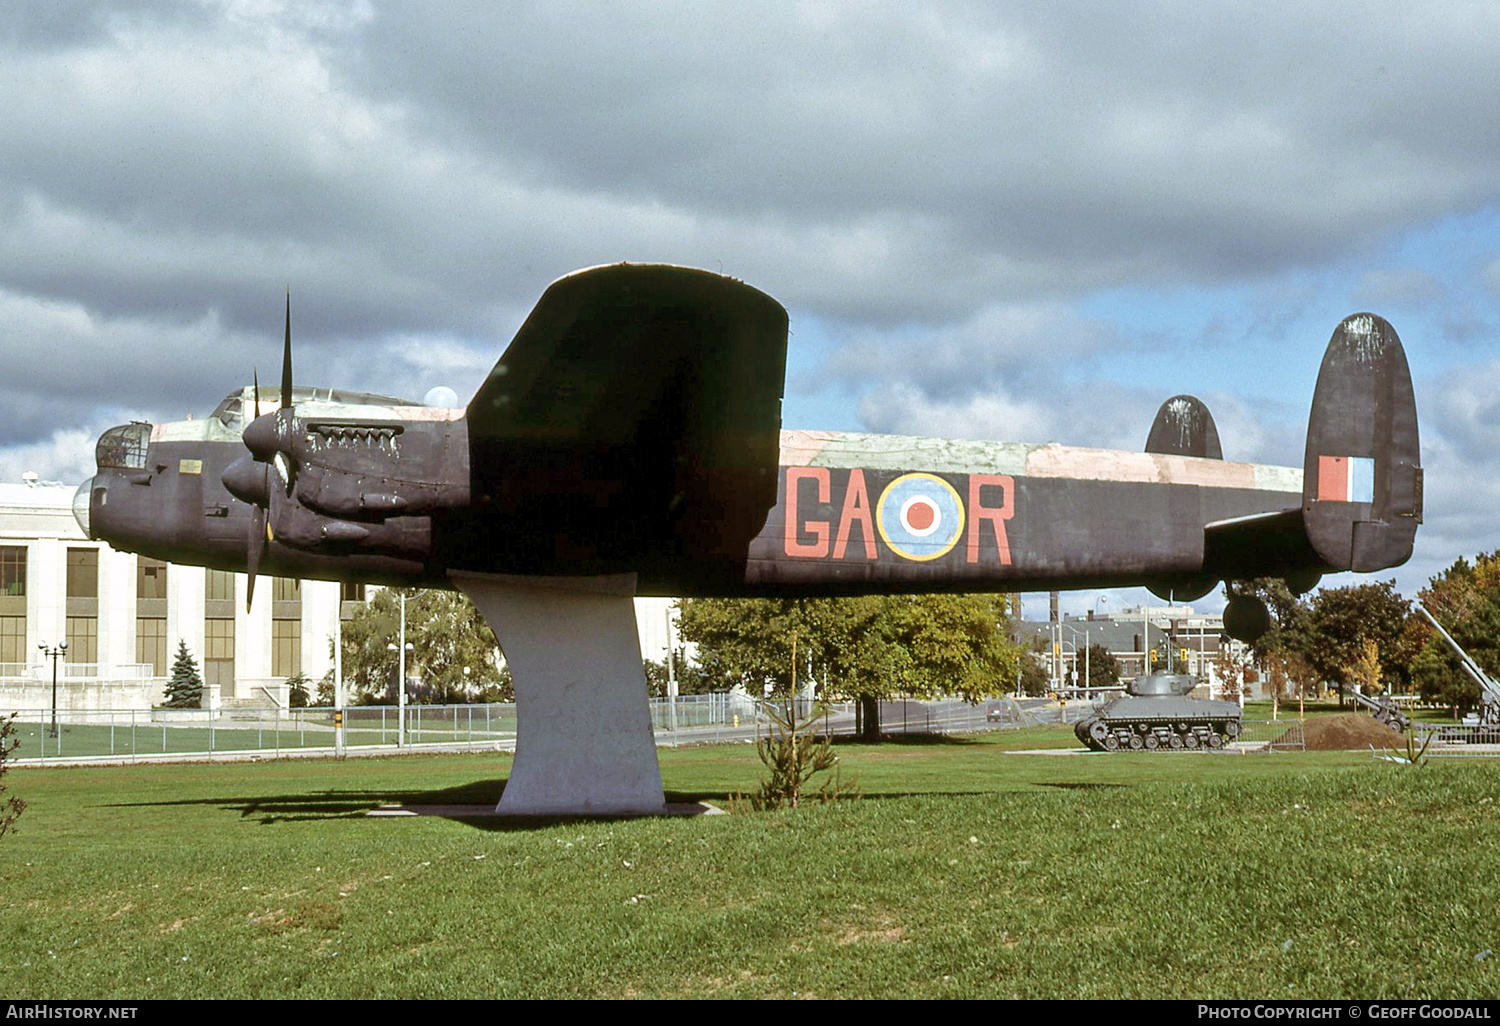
371, 470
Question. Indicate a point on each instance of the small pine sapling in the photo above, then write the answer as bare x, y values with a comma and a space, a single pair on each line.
185, 687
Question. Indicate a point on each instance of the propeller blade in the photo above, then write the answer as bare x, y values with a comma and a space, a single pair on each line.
255, 377
286, 357
257, 545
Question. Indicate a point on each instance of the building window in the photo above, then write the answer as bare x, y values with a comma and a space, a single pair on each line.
83, 573
13, 644
286, 648
286, 589
151, 643
83, 638
150, 579
220, 586
351, 592
218, 653
13, 570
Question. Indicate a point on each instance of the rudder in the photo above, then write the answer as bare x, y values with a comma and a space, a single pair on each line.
1362, 474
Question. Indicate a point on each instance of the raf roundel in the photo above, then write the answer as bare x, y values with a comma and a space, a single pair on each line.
920, 516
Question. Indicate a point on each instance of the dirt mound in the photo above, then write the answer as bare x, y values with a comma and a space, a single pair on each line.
1349, 730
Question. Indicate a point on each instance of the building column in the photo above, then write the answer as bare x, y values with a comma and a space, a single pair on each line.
46, 586
320, 613
186, 587
117, 605
252, 638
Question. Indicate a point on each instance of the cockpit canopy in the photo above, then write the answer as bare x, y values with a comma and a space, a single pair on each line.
231, 412
124, 446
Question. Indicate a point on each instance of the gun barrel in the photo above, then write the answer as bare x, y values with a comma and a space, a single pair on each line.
1487, 685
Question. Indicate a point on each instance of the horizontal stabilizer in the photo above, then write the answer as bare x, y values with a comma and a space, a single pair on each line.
1263, 545
1362, 477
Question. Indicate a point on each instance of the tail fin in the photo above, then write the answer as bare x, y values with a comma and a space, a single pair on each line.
1362, 477
1184, 427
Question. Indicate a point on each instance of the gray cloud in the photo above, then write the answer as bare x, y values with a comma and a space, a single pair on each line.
432, 165
936, 186
1399, 288
1018, 343
1030, 140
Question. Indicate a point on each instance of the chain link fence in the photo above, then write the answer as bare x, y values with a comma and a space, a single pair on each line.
1458, 741
131, 735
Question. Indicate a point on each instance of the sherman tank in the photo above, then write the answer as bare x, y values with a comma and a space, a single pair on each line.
1156, 713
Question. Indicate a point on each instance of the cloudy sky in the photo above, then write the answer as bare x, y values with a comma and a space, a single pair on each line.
1029, 224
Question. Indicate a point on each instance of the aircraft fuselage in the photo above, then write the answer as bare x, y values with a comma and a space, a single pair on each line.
854, 513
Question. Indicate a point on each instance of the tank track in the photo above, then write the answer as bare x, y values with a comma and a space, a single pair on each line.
1148, 733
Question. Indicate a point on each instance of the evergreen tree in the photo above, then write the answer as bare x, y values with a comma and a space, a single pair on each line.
296, 691
1465, 598
1102, 666
185, 688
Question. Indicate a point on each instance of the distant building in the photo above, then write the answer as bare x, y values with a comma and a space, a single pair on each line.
123, 616
1131, 633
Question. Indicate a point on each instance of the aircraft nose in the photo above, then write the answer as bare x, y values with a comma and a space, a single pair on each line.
81, 501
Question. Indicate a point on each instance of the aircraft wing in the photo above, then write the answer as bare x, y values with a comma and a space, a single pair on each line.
636, 412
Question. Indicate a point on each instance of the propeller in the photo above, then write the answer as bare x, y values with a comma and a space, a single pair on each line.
249, 477
256, 543
286, 358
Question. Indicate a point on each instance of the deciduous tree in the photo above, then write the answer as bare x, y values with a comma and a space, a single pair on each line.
1102, 667
1343, 619
12, 807
448, 637
869, 647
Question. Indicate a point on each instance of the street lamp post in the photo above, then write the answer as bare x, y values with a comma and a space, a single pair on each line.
401, 647
402, 651
54, 652
338, 678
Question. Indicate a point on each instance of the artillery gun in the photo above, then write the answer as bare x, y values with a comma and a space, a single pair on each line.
1385, 711
1156, 713
1489, 690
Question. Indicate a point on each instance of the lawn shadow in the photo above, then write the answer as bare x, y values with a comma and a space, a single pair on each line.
472, 804
335, 804
908, 741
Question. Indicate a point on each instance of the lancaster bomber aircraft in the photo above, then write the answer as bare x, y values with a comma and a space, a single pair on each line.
629, 442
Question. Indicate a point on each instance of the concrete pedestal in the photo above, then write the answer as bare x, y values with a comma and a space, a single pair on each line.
584, 744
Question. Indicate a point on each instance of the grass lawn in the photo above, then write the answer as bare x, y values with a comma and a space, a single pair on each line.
962, 870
